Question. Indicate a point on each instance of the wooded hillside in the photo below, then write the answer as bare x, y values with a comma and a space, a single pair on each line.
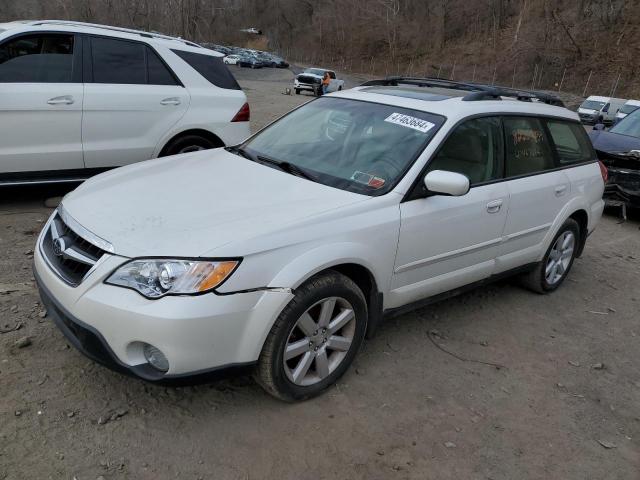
524, 43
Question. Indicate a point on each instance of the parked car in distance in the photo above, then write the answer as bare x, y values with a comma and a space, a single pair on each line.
277, 256
619, 150
600, 110
77, 99
231, 59
629, 107
311, 79
279, 62
249, 61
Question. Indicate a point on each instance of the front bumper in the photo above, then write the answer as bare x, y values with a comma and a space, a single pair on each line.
203, 337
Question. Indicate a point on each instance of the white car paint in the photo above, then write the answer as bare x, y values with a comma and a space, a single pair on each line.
60, 127
231, 59
286, 229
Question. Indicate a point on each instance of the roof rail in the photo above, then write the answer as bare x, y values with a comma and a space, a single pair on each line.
142, 33
478, 91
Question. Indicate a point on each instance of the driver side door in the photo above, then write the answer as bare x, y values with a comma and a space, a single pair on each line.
446, 242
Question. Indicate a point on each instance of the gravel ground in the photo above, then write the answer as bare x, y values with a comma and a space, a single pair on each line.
422, 400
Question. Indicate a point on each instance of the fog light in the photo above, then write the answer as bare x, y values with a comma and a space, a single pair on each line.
155, 358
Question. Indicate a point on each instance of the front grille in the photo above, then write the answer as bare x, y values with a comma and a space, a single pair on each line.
71, 256
308, 79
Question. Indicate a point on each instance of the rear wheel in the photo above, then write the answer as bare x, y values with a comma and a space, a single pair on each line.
315, 338
187, 144
297, 91
554, 267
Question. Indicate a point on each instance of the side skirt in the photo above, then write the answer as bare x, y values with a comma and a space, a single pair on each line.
394, 312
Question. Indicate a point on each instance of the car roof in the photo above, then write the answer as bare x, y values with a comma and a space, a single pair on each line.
450, 103
152, 38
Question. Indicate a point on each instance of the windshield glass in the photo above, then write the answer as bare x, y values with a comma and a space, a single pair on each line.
627, 108
592, 105
629, 125
314, 71
352, 145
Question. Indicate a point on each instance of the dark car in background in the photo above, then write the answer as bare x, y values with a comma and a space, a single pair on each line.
619, 150
249, 61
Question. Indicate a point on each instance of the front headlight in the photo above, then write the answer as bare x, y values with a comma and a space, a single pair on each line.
157, 277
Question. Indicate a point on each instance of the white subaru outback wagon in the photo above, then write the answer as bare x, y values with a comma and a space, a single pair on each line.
280, 254
77, 99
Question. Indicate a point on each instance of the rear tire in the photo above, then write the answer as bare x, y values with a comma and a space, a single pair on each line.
320, 331
297, 91
187, 144
549, 274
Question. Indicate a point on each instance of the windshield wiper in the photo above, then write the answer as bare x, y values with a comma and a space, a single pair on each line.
238, 150
286, 167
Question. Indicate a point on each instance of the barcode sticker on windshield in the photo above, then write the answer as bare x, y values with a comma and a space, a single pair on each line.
410, 122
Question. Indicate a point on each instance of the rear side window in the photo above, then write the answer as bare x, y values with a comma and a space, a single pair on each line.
473, 149
210, 67
527, 149
118, 61
571, 142
159, 74
37, 59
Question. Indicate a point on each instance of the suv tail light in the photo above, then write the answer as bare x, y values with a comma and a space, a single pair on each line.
603, 171
243, 115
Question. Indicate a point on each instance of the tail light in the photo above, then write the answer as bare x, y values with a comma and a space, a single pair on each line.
603, 171
243, 115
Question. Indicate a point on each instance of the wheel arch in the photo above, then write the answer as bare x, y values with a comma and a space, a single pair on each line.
212, 137
582, 218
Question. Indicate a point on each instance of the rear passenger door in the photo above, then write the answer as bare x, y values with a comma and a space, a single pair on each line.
538, 188
131, 100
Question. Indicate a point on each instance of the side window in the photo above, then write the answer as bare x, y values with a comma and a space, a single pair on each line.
159, 74
606, 108
528, 150
332, 75
571, 142
118, 61
475, 149
210, 67
37, 59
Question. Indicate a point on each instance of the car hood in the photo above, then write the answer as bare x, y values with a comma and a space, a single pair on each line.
613, 142
190, 204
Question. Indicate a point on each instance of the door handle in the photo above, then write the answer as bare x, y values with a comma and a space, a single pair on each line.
170, 101
63, 100
560, 190
494, 206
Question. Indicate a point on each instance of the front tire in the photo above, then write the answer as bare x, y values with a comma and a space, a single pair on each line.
314, 339
549, 274
187, 144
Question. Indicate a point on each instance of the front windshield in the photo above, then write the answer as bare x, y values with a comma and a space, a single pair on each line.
315, 71
353, 145
628, 108
629, 125
592, 105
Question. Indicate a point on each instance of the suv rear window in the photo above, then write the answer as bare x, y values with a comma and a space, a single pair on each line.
571, 142
210, 67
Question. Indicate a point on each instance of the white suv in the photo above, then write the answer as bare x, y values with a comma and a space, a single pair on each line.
280, 254
77, 99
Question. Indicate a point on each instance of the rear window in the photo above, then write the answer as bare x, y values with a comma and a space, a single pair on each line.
210, 67
571, 142
527, 148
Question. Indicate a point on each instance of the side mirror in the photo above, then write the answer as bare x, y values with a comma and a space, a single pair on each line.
446, 183
598, 126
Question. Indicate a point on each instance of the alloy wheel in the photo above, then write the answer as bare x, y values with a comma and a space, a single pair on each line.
319, 341
560, 257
